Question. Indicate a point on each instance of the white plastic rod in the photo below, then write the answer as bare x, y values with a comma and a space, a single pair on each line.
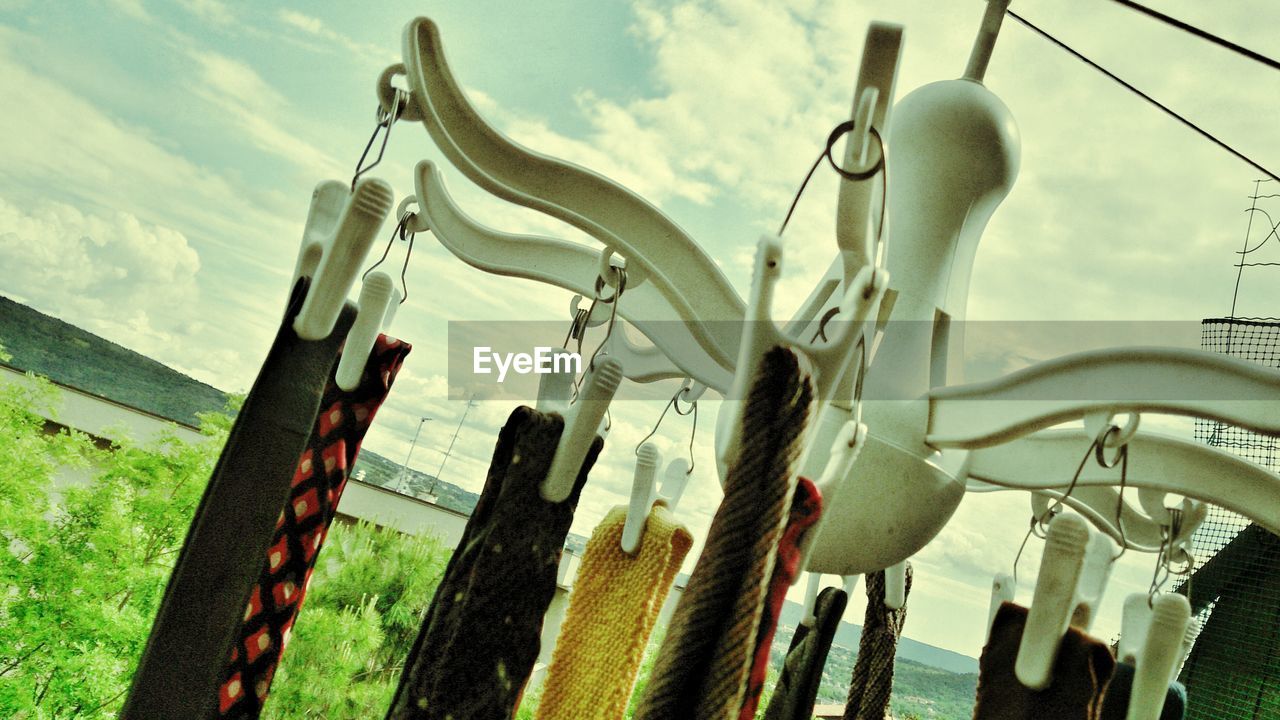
985, 43
361, 219
811, 599
556, 387
1135, 619
647, 459
375, 295
674, 481
1170, 614
1053, 602
895, 585
327, 201
1003, 589
581, 425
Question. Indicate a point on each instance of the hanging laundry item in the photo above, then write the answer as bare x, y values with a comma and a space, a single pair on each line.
1115, 704
615, 603
806, 509
702, 668
872, 682
480, 637
318, 482
203, 606
797, 689
1081, 671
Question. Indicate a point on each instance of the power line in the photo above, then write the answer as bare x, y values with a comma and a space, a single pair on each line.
1202, 34
1169, 111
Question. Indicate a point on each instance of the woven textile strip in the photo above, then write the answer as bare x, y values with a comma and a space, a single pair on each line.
481, 635
317, 486
872, 682
615, 603
701, 670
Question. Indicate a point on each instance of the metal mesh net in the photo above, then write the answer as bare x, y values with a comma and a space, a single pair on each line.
1234, 669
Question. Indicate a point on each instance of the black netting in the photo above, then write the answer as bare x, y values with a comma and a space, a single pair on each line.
1234, 669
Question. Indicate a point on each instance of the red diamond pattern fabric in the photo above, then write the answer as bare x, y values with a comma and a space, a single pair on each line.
317, 486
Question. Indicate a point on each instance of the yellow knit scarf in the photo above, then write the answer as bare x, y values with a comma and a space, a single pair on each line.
615, 603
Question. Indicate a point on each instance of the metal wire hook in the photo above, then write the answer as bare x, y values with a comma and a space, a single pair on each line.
401, 230
385, 119
674, 402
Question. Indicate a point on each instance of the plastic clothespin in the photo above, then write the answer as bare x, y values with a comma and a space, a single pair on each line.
1135, 619
1003, 589
811, 599
581, 425
642, 494
345, 241
674, 481
376, 297
555, 388
327, 202
1188, 641
895, 585
1074, 570
1161, 651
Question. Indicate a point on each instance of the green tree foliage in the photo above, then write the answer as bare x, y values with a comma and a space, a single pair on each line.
90, 534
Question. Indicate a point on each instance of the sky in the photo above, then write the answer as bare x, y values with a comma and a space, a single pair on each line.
158, 158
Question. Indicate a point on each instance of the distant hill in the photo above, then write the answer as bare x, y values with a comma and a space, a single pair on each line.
849, 634
77, 358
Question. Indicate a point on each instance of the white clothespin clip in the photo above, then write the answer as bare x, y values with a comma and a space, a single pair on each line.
849, 583
377, 304
1158, 660
1188, 641
1135, 618
1003, 590
674, 481
555, 388
374, 304
344, 240
895, 585
581, 425
642, 494
1074, 570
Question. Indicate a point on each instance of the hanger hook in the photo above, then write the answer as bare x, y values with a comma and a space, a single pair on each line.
613, 317
674, 402
853, 175
385, 119
403, 232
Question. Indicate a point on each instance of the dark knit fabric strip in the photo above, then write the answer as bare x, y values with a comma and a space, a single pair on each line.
318, 482
203, 605
480, 637
798, 684
1081, 672
758, 489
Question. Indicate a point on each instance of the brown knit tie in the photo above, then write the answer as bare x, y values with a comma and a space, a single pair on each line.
873, 672
702, 668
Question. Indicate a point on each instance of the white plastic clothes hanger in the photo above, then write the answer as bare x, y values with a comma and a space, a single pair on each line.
334, 247
575, 267
955, 157
1098, 504
1073, 574
654, 246
1156, 462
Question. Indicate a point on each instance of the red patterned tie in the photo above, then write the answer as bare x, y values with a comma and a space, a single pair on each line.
317, 486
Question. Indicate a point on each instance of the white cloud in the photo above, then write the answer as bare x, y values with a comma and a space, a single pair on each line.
316, 28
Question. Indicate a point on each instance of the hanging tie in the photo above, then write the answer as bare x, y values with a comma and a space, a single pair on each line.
481, 634
702, 668
872, 682
615, 603
801, 677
